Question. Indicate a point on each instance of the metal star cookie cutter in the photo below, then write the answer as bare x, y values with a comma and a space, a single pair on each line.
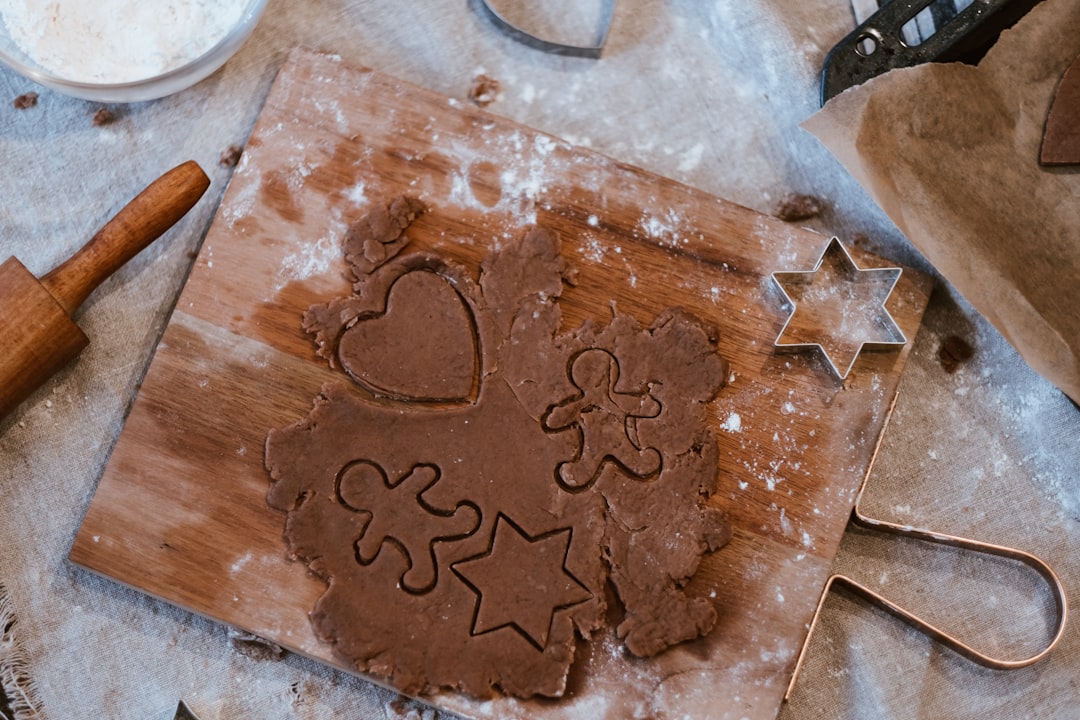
550, 46
841, 321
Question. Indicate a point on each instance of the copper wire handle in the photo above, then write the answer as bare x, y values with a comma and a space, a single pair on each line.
858, 518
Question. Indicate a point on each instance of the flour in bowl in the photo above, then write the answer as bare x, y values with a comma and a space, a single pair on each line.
116, 41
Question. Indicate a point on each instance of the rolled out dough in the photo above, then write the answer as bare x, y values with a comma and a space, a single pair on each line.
469, 496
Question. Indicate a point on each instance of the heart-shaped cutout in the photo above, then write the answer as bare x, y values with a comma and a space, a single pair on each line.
423, 347
1061, 137
606, 9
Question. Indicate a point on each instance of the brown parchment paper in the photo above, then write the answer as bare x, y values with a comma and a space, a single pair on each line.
950, 152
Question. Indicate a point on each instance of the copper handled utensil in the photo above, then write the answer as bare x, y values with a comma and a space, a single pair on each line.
862, 520
37, 334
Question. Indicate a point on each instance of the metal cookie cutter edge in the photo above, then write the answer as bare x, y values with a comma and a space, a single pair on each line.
549, 46
901, 340
183, 712
949, 641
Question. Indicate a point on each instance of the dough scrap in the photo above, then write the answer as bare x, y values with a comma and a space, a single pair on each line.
467, 541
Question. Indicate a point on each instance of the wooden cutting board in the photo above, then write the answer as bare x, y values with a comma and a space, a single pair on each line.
180, 511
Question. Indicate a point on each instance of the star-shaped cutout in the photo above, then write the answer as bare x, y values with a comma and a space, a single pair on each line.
838, 308
521, 581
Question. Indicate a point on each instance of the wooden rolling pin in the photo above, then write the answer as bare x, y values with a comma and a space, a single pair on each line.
37, 334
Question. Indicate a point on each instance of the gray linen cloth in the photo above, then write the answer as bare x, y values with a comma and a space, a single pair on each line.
710, 94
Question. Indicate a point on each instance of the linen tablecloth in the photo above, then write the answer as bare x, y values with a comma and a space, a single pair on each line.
708, 93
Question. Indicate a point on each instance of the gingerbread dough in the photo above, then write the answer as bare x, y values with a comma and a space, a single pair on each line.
468, 498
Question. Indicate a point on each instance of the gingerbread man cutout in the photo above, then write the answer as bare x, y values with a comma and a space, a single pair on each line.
400, 516
605, 420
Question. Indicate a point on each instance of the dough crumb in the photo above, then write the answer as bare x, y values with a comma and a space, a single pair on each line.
103, 116
402, 708
954, 352
379, 235
230, 156
797, 207
26, 101
484, 90
254, 647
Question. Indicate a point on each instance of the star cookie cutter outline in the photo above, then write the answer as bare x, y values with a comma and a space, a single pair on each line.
890, 325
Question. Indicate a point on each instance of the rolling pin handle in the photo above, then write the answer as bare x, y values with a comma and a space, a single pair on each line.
139, 223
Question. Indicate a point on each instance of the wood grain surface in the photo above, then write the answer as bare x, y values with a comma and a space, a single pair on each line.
180, 512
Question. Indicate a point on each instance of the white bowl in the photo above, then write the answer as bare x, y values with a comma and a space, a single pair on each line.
149, 88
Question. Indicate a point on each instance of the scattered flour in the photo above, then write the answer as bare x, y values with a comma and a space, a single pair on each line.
239, 564
356, 194
312, 259
665, 229
733, 423
114, 41
691, 158
593, 249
